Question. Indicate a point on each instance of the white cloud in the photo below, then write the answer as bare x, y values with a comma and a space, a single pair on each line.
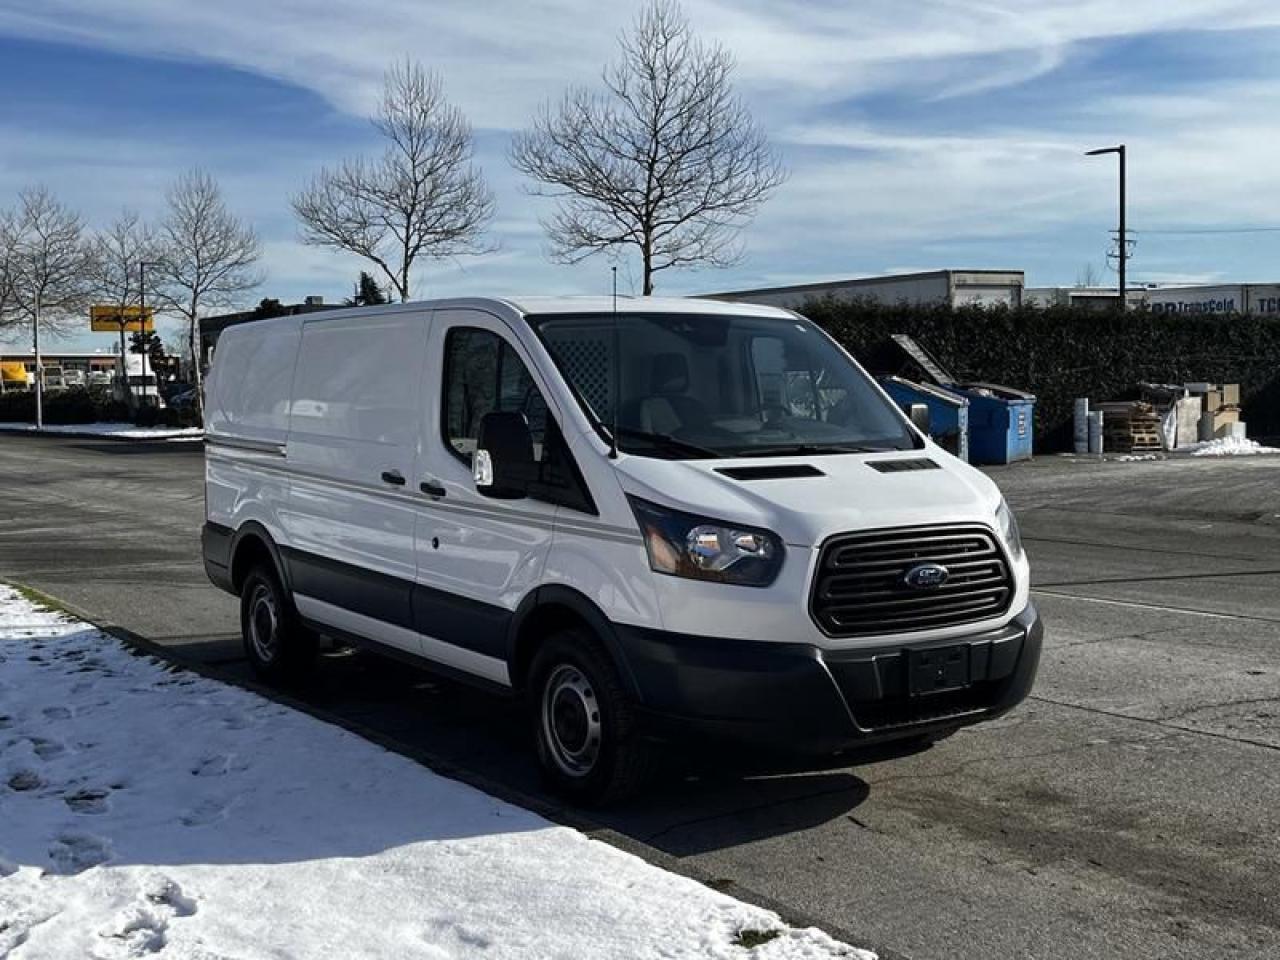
502, 57
863, 196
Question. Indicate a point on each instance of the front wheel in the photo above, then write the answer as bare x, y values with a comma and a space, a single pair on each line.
278, 647
585, 725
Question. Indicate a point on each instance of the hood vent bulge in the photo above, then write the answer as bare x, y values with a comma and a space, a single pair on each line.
900, 466
782, 471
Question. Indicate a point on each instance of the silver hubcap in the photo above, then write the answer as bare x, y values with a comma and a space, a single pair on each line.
263, 623
571, 721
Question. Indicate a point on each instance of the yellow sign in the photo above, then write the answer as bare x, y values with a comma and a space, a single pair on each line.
107, 318
13, 372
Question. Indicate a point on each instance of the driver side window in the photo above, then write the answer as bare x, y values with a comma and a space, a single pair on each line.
483, 374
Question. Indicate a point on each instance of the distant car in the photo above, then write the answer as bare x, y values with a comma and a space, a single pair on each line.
186, 400
54, 379
100, 378
173, 388
73, 378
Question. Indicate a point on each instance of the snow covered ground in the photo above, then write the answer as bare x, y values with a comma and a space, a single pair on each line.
146, 811
1230, 447
117, 431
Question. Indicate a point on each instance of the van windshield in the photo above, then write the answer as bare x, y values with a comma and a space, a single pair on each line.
693, 386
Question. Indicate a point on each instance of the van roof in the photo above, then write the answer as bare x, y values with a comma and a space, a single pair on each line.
541, 305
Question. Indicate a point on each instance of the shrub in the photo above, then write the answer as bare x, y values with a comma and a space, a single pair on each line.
78, 405
73, 406
17, 406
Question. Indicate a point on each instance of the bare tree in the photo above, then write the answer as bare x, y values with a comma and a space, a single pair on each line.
666, 159
1087, 277
8, 269
422, 198
49, 264
119, 252
209, 258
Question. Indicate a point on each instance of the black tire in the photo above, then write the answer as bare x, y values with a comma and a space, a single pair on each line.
591, 757
278, 647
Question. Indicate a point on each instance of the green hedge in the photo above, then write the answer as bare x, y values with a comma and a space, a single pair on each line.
62, 407
1061, 353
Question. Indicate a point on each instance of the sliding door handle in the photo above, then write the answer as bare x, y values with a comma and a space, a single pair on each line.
431, 488
393, 477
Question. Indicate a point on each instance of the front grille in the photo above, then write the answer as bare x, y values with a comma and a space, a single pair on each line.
860, 588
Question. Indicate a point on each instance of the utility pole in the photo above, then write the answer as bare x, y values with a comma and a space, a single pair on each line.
142, 323
142, 308
35, 331
124, 364
1122, 243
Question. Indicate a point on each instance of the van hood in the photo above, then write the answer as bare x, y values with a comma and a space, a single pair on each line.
849, 492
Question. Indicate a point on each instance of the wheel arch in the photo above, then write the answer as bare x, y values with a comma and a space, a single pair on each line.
552, 608
251, 544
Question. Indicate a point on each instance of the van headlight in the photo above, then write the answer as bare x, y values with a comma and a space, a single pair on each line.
1008, 527
686, 545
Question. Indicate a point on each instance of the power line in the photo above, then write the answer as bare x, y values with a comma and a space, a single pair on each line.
1198, 230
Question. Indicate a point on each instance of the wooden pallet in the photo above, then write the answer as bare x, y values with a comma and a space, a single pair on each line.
1130, 427
1132, 438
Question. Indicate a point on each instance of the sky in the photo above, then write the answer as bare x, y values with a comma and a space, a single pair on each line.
940, 133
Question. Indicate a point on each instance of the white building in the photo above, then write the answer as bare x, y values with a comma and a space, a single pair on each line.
954, 287
1092, 298
1261, 298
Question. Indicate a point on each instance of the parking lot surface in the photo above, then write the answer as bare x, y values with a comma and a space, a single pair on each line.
1128, 809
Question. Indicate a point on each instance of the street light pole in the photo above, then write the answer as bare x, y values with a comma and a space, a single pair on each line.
35, 330
142, 307
1122, 245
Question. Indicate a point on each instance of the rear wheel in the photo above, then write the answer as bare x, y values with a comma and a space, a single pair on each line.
585, 724
278, 647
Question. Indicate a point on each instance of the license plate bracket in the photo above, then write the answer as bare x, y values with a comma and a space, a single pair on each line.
937, 669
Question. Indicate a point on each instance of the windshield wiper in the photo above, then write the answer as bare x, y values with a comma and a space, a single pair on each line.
664, 441
801, 449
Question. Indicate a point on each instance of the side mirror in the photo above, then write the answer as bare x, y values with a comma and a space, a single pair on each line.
503, 465
920, 417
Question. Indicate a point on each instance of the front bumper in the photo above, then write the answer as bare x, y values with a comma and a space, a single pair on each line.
801, 698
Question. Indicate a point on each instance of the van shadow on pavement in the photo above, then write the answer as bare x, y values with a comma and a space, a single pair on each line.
730, 801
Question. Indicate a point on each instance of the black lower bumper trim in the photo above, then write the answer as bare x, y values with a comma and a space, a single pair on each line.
804, 699
215, 545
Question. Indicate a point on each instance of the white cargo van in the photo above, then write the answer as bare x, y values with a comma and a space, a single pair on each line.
683, 517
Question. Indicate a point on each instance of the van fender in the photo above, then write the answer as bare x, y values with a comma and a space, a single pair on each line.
246, 535
545, 602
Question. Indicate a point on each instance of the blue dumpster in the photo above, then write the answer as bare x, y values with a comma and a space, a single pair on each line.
948, 412
1001, 422
1000, 419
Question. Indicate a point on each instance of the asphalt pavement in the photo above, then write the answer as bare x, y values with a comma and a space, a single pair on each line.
1128, 809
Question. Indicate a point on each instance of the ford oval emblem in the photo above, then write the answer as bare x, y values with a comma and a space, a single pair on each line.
925, 576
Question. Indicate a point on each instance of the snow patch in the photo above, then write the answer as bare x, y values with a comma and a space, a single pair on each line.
115, 431
1230, 447
167, 814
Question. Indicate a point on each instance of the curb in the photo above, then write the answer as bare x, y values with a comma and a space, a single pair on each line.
556, 813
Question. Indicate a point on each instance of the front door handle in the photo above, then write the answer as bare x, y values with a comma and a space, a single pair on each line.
431, 488
393, 477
